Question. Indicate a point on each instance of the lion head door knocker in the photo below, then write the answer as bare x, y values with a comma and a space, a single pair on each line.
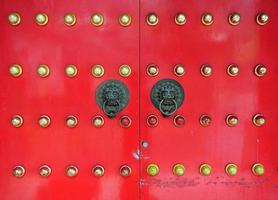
167, 96
112, 96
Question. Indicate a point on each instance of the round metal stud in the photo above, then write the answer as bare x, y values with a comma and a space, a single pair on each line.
72, 171
207, 19
179, 120
125, 121
97, 19
125, 170
17, 121
258, 169
179, 70
206, 70
18, 171
258, 120
232, 70
180, 19
152, 19
98, 121
97, 71
14, 19
262, 18
178, 169
71, 71
125, 20
152, 169
152, 120
231, 120
152, 70
260, 70
44, 121
234, 19
98, 170
205, 169
69, 19
205, 120
43, 71
125, 70
41, 19
71, 121
45, 171
15, 70
231, 169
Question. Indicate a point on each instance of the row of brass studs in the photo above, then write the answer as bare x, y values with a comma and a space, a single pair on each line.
71, 171
205, 120
207, 70
152, 19
205, 169
71, 121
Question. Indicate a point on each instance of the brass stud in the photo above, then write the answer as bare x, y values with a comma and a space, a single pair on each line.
180, 19
232, 70
205, 120
45, 171
258, 120
231, 169
15, 70
205, 169
207, 19
44, 121
71, 71
98, 170
97, 71
152, 70
262, 18
152, 169
18, 171
179, 120
69, 19
234, 19
258, 169
14, 19
179, 70
125, 20
125, 170
41, 19
152, 19
152, 120
260, 70
231, 120
97, 19
206, 70
43, 71
72, 171
98, 121
178, 169
17, 121
125, 121
125, 70
71, 121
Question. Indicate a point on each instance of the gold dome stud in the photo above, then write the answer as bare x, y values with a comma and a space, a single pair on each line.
43, 71
97, 19
205, 169
152, 19
205, 120
178, 169
258, 169
70, 19
207, 19
44, 121
17, 121
125, 121
14, 19
72, 171
206, 70
258, 120
125, 70
18, 171
15, 70
152, 169
232, 70
71, 71
98, 121
180, 19
125, 20
97, 71
41, 19
45, 171
234, 19
125, 170
231, 120
179, 70
260, 70
98, 170
179, 121
71, 121
231, 169
152, 70
262, 19
152, 120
